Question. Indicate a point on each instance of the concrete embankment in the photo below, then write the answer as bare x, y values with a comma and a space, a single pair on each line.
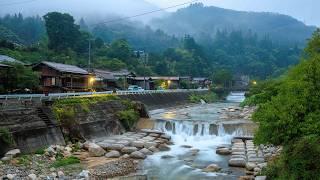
35, 126
163, 100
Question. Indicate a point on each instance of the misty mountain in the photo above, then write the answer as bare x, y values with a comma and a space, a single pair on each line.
98, 10
199, 21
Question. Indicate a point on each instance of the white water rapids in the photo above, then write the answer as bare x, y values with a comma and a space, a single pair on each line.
200, 127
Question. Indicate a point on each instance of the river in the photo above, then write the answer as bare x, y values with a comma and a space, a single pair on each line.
196, 132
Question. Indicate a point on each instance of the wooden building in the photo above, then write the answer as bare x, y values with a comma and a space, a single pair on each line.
56, 77
201, 82
105, 80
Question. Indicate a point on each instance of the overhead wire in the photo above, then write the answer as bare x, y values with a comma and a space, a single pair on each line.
146, 13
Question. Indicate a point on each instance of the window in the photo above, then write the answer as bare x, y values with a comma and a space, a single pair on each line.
53, 81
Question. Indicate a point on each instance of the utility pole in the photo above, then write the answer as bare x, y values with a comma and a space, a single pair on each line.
89, 60
146, 57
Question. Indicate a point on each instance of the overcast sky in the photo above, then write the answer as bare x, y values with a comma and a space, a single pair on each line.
304, 10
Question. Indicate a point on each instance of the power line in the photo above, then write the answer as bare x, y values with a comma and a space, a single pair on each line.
146, 13
17, 3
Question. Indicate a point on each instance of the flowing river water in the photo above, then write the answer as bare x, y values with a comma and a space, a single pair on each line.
195, 128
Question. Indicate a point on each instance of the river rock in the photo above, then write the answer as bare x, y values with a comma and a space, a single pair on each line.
212, 168
112, 154
109, 146
164, 136
167, 157
150, 144
261, 178
146, 151
250, 166
154, 135
125, 156
95, 150
137, 155
11, 176
246, 178
223, 151
164, 147
60, 174
186, 146
13, 153
4, 159
128, 150
154, 149
138, 144
237, 162
32, 177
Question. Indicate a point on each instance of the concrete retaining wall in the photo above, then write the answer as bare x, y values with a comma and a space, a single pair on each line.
161, 100
31, 133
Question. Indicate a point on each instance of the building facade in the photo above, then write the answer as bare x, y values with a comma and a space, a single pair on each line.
56, 78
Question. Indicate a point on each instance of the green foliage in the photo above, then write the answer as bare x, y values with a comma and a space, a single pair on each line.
24, 160
61, 30
222, 77
291, 118
62, 162
40, 151
208, 98
128, 118
20, 77
110, 64
6, 136
299, 160
261, 92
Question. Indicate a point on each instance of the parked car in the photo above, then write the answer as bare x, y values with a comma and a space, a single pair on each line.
135, 88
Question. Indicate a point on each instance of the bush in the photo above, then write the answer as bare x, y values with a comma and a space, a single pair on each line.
65, 161
299, 160
6, 136
208, 98
128, 118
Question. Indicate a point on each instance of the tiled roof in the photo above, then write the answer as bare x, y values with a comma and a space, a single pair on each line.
4, 66
199, 79
65, 68
104, 74
4, 58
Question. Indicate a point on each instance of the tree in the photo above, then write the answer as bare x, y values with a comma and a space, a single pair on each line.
291, 118
221, 77
120, 49
61, 30
21, 77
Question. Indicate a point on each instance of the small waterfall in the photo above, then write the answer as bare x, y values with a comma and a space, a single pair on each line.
189, 129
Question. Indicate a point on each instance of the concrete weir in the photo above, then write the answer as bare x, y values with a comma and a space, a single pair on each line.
35, 126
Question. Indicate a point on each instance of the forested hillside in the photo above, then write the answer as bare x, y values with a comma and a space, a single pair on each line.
198, 20
236, 50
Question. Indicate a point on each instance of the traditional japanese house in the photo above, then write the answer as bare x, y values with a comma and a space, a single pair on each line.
56, 77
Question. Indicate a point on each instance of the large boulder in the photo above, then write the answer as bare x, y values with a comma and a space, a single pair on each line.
150, 144
223, 151
112, 154
95, 150
146, 151
164, 147
128, 150
212, 168
13, 153
109, 146
237, 162
138, 144
138, 155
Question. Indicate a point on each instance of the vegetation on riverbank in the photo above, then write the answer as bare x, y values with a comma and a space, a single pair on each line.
5, 136
288, 115
209, 97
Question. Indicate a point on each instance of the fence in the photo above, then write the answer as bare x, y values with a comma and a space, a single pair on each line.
42, 97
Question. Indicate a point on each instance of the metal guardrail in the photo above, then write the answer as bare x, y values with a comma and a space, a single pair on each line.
52, 96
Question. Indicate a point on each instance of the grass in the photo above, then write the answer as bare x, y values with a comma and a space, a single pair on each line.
65, 162
6, 136
40, 151
24, 160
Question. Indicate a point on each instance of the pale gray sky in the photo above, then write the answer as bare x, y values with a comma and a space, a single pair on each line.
304, 10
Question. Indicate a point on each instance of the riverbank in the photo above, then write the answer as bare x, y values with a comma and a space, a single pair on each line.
101, 158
